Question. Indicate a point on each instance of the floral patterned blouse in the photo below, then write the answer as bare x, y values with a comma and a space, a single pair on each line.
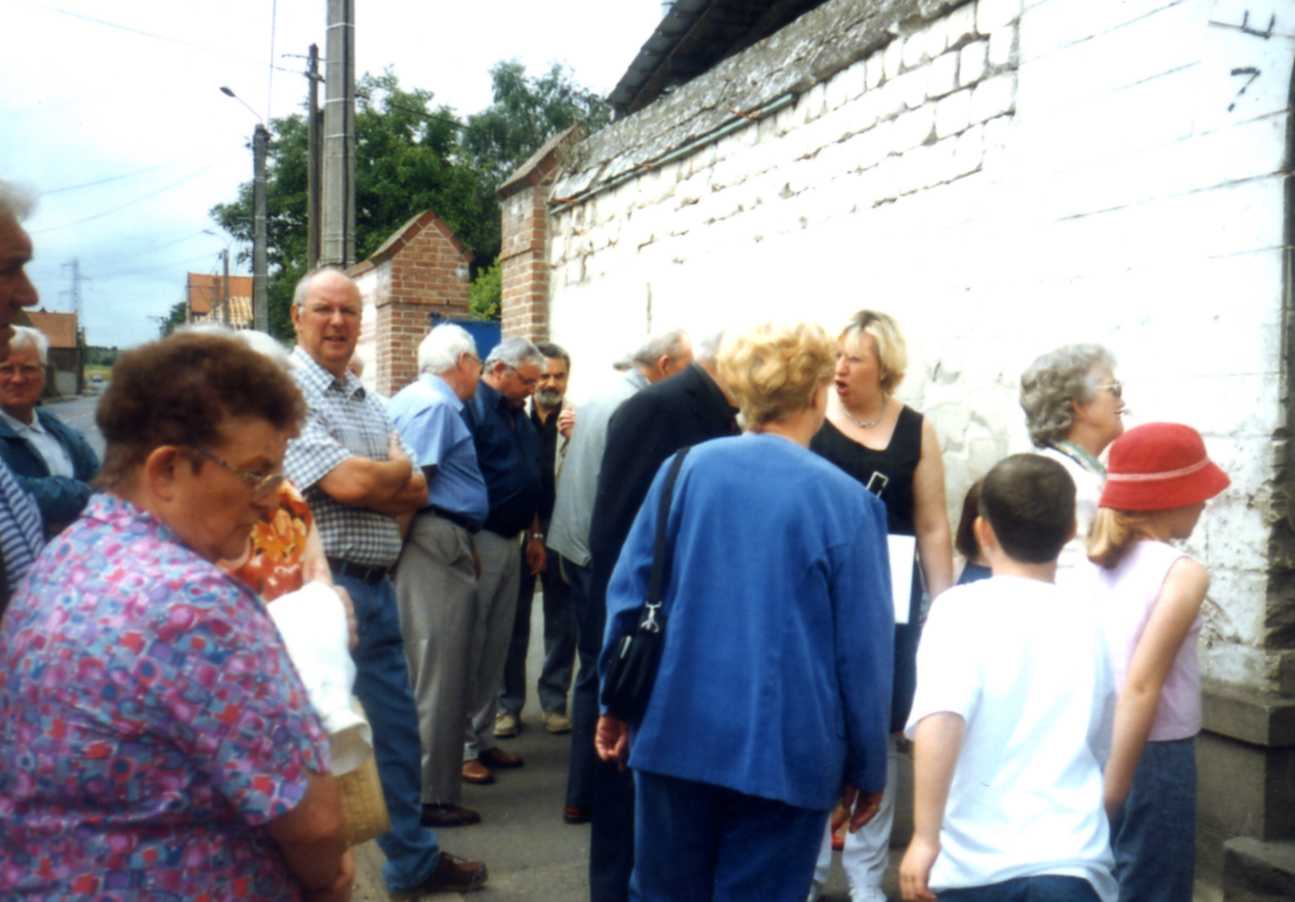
150, 723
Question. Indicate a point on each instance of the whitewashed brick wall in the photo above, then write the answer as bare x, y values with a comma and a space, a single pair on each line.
1009, 178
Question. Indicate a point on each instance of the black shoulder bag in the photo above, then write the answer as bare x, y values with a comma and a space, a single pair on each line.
627, 687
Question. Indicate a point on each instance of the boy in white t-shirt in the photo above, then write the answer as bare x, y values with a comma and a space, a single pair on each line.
1012, 719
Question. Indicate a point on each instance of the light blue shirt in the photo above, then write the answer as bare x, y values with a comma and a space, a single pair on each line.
428, 416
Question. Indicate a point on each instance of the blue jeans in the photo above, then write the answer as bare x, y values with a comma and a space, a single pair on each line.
1043, 888
382, 684
559, 642
584, 699
1153, 835
700, 842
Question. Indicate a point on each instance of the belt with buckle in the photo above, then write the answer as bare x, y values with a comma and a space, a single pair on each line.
365, 574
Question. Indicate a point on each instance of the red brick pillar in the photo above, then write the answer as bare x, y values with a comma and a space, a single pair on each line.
524, 246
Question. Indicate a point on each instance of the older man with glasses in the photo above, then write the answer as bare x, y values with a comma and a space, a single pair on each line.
508, 452
349, 463
52, 461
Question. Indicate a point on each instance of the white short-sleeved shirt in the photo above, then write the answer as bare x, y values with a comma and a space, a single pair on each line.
1024, 664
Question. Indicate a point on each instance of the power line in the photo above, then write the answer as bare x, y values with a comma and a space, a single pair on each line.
155, 36
190, 177
103, 181
132, 273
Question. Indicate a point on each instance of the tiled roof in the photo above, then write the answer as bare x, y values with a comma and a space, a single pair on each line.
205, 291
59, 328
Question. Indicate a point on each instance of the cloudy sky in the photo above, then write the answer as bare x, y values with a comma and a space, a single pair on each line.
112, 112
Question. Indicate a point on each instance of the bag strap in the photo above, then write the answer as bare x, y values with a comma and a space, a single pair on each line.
660, 553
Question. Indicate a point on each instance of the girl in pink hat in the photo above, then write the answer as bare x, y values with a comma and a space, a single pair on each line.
1157, 482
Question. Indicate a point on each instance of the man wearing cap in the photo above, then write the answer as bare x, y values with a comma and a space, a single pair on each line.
20, 520
357, 477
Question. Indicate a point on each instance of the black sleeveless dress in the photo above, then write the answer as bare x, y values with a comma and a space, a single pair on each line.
888, 474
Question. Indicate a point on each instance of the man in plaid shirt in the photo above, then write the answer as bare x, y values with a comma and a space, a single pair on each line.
357, 477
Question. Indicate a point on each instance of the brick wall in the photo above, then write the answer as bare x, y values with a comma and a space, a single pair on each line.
420, 271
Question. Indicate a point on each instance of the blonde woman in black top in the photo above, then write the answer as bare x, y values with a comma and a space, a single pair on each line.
893, 450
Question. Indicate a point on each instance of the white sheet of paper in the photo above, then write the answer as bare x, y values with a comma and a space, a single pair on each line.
902, 549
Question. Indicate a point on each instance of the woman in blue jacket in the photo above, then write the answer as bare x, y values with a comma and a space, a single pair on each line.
772, 698
52, 461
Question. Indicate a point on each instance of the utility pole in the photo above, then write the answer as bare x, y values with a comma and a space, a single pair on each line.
224, 284
260, 299
314, 160
338, 188
75, 291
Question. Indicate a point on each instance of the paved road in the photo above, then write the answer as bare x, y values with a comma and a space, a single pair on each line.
532, 855
79, 414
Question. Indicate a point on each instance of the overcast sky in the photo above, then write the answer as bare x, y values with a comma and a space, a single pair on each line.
112, 112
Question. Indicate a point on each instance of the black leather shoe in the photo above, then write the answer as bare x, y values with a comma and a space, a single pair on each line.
449, 816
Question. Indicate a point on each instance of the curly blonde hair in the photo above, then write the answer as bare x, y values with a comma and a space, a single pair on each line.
774, 370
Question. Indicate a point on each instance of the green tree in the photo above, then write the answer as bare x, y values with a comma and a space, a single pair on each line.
485, 293
524, 113
410, 156
176, 318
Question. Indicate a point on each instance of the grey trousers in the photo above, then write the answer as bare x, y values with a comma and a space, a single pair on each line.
436, 593
501, 576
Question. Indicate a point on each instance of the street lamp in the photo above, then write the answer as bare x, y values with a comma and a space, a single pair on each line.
260, 147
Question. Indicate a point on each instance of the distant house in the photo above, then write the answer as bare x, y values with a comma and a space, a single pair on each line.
64, 365
205, 296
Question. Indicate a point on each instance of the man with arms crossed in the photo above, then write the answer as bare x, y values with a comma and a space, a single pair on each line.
349, 464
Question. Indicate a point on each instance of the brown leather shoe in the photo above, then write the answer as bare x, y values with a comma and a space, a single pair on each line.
476, 772
455, 875
449, 816
497, 757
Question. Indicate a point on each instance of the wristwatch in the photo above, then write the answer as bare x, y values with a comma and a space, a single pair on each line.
538, 535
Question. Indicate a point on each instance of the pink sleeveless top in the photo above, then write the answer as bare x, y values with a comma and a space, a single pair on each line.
1132, 589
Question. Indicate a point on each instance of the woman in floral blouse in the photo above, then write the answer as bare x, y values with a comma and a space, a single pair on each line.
155, 740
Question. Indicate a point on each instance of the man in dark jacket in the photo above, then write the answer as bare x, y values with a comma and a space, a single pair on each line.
645, 430
52, 461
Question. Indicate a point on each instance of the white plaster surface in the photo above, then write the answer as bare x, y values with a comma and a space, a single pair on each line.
1117, 187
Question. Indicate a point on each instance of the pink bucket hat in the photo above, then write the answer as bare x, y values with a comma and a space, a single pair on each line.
1160, 466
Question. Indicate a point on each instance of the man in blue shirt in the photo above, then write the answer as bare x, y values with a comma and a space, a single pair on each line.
436, 576
508, 452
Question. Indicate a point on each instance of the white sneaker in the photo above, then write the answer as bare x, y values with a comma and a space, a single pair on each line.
506, 725
555, 722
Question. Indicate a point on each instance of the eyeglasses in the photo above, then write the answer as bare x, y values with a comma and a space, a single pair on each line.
323, 311
528, 384
1115, 388
261, 484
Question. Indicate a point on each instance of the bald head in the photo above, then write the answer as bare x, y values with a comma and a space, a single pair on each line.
326, 310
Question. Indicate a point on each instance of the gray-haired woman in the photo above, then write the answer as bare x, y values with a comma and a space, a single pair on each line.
1073, 407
